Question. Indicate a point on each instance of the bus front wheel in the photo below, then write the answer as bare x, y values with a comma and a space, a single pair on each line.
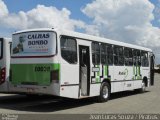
143, 87
104, 92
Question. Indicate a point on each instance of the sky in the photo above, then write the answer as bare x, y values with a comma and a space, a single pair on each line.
132, 21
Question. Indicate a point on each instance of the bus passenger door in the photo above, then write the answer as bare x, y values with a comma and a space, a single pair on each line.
84, 59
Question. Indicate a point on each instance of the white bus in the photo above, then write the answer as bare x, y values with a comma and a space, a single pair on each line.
76, 65
5, 47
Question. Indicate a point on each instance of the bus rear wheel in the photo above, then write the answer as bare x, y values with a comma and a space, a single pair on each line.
104, 92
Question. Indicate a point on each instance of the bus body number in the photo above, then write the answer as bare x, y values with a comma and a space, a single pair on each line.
42, 69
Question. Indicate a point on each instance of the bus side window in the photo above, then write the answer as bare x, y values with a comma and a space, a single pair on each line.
134, 57
118, 56
144, 58
69, 49
137, 57
128, 56
95, 53
110, 54
104, 59
115, 55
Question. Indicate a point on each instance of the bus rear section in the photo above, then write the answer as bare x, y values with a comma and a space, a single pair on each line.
34, 64
5, 44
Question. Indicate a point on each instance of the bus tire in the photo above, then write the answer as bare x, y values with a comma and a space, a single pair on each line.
143, 88
104, 92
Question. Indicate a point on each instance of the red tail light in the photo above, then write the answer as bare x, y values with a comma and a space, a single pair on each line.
55, 76
3, 75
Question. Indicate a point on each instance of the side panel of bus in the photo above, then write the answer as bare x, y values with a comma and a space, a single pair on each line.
121, 75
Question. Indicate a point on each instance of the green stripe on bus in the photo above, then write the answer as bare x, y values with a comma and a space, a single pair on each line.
98, 73
106, 70
39, 74
97, 79
57, 67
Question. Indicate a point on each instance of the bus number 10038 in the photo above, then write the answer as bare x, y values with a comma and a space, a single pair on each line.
42, 69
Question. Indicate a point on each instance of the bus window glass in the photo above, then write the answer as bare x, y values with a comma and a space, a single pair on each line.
144, 58
110, 54
118, 55
69, 49
128, 56
115, 55
104, 54
95, 53
121, 56
137, 57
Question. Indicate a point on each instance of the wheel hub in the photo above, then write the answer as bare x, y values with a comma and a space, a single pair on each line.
105, 92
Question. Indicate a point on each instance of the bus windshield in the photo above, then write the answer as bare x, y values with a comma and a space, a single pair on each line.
34, 44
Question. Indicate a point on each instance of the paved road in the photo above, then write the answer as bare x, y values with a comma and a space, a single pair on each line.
125, 102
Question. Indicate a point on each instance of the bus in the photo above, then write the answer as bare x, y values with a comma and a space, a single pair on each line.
5, 49
75, 65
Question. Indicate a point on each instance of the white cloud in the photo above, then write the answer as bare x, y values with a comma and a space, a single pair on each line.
124, 20
157, 11
3, 9
39, 17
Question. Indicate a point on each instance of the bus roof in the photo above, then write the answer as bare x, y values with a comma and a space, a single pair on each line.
86, 37
6, 39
